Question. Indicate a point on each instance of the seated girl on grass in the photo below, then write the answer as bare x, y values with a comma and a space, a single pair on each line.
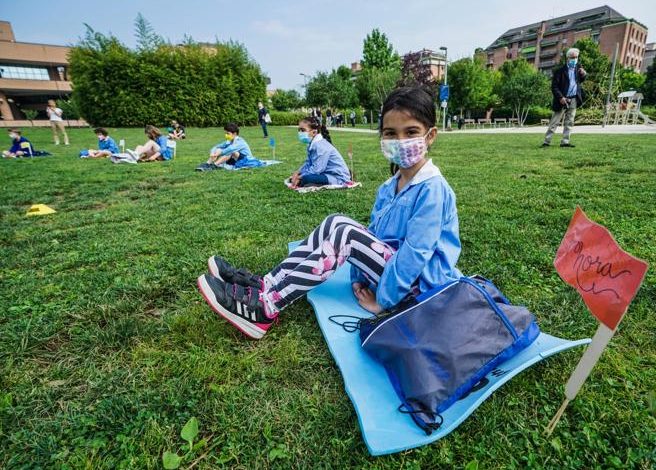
324, 164
411, 245
155, 148
233, 149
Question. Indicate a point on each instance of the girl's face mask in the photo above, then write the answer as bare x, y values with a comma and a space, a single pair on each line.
13, 136
229, 137
101, 137
405, 152
304, 137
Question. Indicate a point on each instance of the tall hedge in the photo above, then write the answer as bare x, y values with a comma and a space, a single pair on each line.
197, 85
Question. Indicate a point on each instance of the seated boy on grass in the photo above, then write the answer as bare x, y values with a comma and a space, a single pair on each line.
233, 149
106, 145
20, 146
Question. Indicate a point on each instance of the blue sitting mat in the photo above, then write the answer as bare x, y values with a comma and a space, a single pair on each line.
386, 430
249, 163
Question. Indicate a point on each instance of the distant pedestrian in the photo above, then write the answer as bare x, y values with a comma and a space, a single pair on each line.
263, 118
352, 118
56, 121
567, 96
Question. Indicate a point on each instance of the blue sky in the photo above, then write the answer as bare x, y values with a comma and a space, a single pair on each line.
287, 38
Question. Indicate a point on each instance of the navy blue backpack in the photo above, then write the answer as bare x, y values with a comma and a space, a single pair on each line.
437, 348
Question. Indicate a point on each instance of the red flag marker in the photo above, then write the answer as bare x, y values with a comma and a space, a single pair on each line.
607, 277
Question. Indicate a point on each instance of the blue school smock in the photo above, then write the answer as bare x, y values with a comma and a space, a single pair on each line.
231, 146
109, 145
324, 159
16, 146
421, 223
164, 150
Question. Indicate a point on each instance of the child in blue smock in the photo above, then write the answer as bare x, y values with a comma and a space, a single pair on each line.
155, 149
106, 145
324, 164
230, 151
411, 245
20, 146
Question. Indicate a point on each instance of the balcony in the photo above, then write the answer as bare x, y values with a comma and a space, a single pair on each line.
34, 87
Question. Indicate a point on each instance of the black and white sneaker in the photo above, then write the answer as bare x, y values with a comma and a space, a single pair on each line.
240, 305
223, 270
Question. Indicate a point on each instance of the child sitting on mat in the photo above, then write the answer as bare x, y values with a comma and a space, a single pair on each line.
233, 149
324, 165
20, 146
106, 145
411, 244
155, 148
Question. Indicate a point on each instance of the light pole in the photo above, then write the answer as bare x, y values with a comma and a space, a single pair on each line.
446, 68
305, 76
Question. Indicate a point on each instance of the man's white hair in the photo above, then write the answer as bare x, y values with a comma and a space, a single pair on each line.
573, 51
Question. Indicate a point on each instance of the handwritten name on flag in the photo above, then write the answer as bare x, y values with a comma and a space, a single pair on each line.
590, 260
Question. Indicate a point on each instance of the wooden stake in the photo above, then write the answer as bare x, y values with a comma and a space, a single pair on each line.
350, 155
554, 421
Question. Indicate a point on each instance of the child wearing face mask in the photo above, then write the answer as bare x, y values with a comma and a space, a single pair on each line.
230, 151
20, 146
324, 164
106, 145
411, 244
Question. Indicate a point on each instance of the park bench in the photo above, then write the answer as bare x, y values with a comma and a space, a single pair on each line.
513, 122
544, 122
482, 122
468, 121
498, 121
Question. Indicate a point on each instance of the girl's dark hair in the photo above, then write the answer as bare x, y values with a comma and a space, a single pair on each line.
231, 127
417, 101
152, 132
100, 130
314, 123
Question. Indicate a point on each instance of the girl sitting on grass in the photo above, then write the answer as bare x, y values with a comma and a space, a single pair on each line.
324, 164
411, 244
155, 148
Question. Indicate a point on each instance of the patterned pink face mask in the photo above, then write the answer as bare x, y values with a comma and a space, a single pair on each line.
406, 152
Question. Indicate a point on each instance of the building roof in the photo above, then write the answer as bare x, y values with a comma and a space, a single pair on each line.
580, 20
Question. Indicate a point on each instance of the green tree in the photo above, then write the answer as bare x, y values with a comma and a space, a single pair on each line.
649, 86
334, 89
377, 52
628, 79
286, 100
521, 86
471, 85
147, 38
381, 70
203, 86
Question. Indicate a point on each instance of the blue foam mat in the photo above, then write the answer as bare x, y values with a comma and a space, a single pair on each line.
385, 430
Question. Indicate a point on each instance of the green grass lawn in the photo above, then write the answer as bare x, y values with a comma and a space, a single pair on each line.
107, 349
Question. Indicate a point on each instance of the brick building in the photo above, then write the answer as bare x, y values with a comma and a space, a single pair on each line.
30, 75
650, 54
543, 43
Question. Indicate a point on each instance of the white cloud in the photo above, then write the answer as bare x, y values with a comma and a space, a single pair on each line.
274, 27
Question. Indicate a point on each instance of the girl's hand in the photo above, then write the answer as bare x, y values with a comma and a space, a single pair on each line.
366, 298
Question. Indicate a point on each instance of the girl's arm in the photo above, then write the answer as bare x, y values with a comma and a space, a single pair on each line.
424, 230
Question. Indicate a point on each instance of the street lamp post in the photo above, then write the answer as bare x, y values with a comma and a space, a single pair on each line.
446, 68
304, 79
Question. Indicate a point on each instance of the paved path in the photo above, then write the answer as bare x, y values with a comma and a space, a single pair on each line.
628, 129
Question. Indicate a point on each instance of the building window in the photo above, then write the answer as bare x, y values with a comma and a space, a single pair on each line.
24, 73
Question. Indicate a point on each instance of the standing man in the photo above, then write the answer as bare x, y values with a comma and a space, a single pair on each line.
56, 121
567, 96
262, 114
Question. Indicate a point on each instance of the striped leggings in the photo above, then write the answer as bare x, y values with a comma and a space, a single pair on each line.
336, 240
